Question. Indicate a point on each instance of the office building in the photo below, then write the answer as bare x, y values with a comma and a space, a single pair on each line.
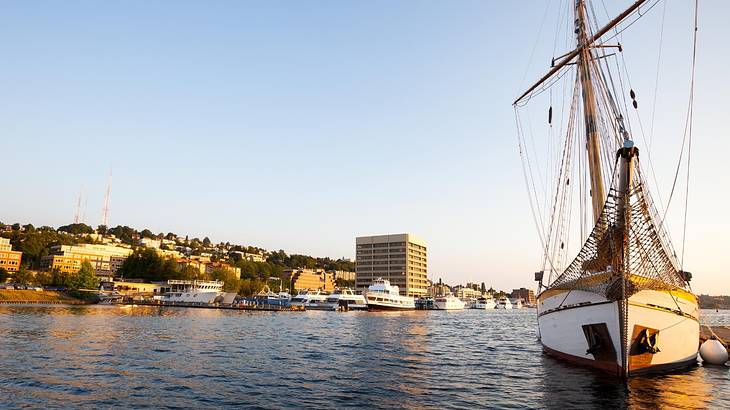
105, 259
309, 279
400, 258
9, 259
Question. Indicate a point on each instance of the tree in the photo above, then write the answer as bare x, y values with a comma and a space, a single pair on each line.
484, 288
206, 242
231, 283
146, 233
23, 276
146, 264
76, 229
29, 228
4, 275
102, 229
85, 278
43, 278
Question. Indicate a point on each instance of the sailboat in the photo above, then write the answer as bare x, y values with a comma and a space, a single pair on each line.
622, 304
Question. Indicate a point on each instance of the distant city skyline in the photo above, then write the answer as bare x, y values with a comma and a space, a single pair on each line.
303, 125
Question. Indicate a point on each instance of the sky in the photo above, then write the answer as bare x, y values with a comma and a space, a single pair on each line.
299, 125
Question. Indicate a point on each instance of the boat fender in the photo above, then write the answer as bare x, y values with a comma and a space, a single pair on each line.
647, 342
713, 352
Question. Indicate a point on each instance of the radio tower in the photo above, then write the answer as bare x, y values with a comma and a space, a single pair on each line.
77, 217
105, 211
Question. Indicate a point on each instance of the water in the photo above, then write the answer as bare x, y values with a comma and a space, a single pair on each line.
107, 356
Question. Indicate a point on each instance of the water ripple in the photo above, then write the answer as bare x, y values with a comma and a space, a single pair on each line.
150, 357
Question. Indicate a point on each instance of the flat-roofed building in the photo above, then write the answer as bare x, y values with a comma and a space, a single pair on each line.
344, 275
527, 295
399, 258
105, 259
9, 259
310, 279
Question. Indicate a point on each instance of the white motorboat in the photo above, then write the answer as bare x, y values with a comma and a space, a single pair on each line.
381, 295
194, 291
516, 303
345, 299
504, 303
485, 303
309, 299
448, 302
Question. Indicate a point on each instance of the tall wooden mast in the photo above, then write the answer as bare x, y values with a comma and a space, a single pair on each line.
585, 57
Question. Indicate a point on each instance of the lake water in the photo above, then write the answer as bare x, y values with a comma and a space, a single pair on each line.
108, 356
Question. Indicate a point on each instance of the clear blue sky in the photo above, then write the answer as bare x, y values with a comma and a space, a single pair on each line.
299, 125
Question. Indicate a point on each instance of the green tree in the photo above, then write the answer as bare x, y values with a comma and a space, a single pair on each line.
146, 264
4, 275
76, 229
102, 229
85, 278
146, 233
23, 276
60, 279
206, 242
43, 278
231, 283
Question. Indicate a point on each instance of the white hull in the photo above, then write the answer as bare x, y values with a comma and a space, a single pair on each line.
379, 303
449, 304
192, 297
485, 305
568, 320
504, 304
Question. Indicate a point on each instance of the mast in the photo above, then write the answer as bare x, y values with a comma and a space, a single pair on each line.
585, 57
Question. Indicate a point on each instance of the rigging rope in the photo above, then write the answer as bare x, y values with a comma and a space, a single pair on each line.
690, 117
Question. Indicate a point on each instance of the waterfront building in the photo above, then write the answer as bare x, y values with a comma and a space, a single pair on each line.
438, 289
344, 275
9, 259
105, 259
312, 279
399, 258
466, 292
526, 295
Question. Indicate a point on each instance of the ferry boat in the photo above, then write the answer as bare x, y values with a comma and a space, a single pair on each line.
381, 295
194, 291
267, 297
485, 303
309, 299
504, 303
346, 299
448, 302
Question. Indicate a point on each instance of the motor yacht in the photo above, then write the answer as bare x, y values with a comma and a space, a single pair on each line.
381, 295
448, 302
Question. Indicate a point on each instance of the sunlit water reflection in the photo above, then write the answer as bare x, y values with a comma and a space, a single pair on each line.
105, 356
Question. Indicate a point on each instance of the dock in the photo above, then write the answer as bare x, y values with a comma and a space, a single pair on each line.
249, 307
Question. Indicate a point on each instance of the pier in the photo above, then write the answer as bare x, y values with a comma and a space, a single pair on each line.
250, 307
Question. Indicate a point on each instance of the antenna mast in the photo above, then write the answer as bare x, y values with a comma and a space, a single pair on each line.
585, 57
105, 211
77, 216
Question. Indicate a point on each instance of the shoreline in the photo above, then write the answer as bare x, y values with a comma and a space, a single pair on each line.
33, 297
